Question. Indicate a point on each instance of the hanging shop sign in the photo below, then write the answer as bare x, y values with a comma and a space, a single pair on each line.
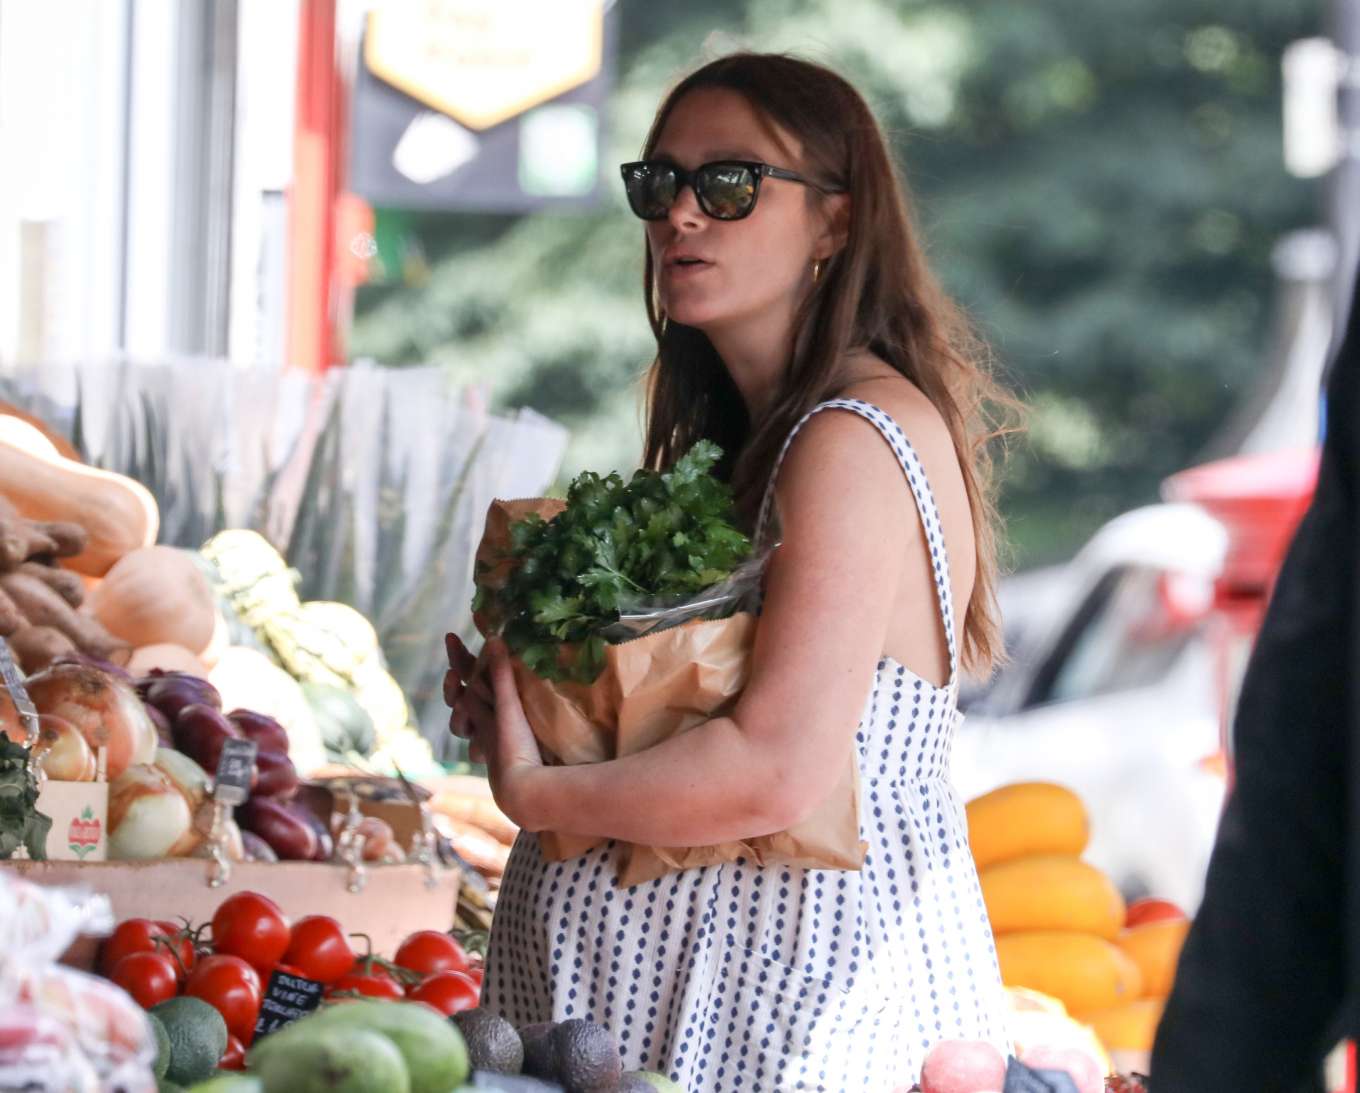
491, 105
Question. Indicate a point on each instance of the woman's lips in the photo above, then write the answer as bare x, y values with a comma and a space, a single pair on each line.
686, 271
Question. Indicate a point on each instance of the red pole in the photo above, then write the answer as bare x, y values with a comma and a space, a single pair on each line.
311, 200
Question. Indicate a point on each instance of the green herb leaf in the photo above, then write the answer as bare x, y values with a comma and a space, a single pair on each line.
661, 537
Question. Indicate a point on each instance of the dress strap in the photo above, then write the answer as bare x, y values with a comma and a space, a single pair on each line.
911, 466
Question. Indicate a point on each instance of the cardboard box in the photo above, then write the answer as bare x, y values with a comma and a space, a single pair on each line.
80, 820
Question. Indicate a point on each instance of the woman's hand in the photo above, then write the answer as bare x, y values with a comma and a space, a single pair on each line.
488, 712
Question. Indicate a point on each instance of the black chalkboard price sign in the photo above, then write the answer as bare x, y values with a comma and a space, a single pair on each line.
234, 771
287, 998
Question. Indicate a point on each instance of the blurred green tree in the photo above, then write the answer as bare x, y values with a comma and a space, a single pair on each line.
1100, 187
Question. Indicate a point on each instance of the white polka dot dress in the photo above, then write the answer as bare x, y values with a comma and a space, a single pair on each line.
737, 977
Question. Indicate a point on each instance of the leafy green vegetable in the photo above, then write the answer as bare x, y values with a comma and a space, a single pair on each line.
20, 820
658, 540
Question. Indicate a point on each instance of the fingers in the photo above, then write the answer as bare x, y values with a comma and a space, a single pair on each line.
460, 660
502, 675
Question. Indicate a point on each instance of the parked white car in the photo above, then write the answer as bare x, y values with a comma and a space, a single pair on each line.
1114, 692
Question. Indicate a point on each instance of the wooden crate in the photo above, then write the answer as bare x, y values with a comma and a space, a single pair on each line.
395, 901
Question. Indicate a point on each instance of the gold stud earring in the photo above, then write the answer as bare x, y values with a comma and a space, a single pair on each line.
817, 270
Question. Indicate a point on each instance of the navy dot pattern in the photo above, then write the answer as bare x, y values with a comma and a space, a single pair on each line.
737, 977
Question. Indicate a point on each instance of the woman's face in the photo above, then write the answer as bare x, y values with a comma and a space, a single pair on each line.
750, 267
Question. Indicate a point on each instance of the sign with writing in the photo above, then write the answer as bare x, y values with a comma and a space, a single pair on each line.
496, 106
235, 769
287, 998
481, 62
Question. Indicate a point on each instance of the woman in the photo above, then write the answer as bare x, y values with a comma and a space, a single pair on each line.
782, 281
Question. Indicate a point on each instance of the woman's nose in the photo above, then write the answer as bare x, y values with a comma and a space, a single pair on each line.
685, 213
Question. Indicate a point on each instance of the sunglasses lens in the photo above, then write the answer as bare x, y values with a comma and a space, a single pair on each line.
727, 192
651, 189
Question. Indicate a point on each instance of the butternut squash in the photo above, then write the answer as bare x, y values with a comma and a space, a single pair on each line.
156, 595
1051, 892
1156, 948
1130, 1027
63, 446
119, 514
1082, 971
1026, 818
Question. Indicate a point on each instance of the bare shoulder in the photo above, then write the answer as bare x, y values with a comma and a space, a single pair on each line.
908, 405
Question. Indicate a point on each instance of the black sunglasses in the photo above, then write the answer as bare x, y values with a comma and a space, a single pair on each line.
725, 189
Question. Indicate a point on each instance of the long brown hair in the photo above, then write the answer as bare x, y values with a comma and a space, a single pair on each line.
877, 292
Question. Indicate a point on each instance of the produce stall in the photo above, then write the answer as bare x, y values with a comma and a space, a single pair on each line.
179, 733
236, 773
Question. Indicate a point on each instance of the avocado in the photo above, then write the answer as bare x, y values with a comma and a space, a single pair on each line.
587, 1056
197, 1036
431, 1045
162, 1063
335, 1060
654, 1082
492, 1042
540, 1052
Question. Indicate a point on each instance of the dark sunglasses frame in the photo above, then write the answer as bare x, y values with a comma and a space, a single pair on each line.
685, 178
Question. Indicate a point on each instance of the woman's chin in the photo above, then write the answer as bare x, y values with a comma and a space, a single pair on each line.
693, 314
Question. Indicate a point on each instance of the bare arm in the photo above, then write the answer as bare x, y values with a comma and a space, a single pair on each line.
848, 522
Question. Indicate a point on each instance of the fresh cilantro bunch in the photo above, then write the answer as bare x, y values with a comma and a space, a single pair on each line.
656, 541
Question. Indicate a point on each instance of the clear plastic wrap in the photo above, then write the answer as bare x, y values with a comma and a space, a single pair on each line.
103, 1034
38, 924
40, 1054
741, 591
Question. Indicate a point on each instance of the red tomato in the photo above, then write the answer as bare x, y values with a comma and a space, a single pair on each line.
319, 949
232, 987
448, 992
252, 927
477, 974
430, 951
373, 981
234, 1058
150, 978
142, 935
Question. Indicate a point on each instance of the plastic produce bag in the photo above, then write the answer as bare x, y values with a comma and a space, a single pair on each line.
39, 1053
103, 1027
674, 668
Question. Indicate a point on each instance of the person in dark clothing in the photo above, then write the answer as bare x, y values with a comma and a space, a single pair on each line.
1268, 979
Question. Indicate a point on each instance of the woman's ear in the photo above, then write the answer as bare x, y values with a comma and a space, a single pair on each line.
835, 225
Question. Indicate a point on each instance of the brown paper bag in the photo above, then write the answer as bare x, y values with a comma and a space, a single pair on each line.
650, 689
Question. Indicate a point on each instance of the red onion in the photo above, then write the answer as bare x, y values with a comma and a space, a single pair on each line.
278, 778
263, 729
288, 834
175, 690
200, 732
